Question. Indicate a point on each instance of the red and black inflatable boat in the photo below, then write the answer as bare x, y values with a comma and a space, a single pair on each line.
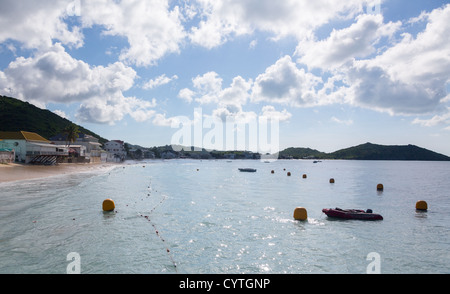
351, 214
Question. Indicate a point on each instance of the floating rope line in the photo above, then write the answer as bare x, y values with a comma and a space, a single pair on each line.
156, 229
163, 240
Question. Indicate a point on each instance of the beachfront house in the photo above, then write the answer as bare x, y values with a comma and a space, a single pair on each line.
116, 151
6, 155
86, 148
32, 148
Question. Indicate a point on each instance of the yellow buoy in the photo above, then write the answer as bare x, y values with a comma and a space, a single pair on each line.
304, 176
300, 213
421, 205
380, 187
331, 181
108, 205
289, 174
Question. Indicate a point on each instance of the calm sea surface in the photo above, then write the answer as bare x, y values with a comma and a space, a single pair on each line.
190, 216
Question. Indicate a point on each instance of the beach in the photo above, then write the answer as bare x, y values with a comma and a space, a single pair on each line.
19, 172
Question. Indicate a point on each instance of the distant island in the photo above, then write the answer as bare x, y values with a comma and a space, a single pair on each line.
17, 115
367, 151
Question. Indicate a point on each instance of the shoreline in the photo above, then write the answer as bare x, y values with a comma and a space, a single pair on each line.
13, 172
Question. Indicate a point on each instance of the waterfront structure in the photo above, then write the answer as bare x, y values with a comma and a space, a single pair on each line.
32, 148
87, 147
116, 151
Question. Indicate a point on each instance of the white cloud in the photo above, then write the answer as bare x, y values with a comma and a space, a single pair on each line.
113, 108
442, 119
231, 114
186, 95
61, 113
236, 94
37, 23
207, 87
373, 87
208, 90
270, 112
411, 76
286, 84
153, 29
54, 76
424, 59
159, 81
348, 122
400, 77
367, 67
355, 41
221, 20
162, 121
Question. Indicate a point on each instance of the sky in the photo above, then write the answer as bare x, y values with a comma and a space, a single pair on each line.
332, 74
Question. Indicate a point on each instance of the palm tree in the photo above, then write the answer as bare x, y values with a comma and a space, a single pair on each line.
71, 132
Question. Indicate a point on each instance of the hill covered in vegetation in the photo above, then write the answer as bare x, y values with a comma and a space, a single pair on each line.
368, 151
17, 115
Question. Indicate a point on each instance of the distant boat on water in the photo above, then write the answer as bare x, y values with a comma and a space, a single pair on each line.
248, 170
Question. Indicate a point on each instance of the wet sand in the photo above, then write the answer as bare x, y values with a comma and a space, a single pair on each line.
19, 172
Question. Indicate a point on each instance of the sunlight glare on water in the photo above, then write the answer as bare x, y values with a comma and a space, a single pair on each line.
172, 218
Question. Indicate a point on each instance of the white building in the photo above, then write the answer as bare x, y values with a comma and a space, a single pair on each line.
91, 149
32, 148
116, 150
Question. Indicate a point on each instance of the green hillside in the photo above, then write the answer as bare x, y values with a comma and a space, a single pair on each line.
16, 115
368, 151
299, 153
371, 151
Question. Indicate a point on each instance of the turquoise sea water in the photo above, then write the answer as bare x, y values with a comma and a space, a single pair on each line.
206, 217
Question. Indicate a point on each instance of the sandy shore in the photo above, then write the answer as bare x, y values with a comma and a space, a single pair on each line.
19, 172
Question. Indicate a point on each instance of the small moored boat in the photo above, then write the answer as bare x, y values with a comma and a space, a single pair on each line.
248, 170
351, 214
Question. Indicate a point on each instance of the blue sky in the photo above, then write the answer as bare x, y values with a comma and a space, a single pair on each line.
335, 74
